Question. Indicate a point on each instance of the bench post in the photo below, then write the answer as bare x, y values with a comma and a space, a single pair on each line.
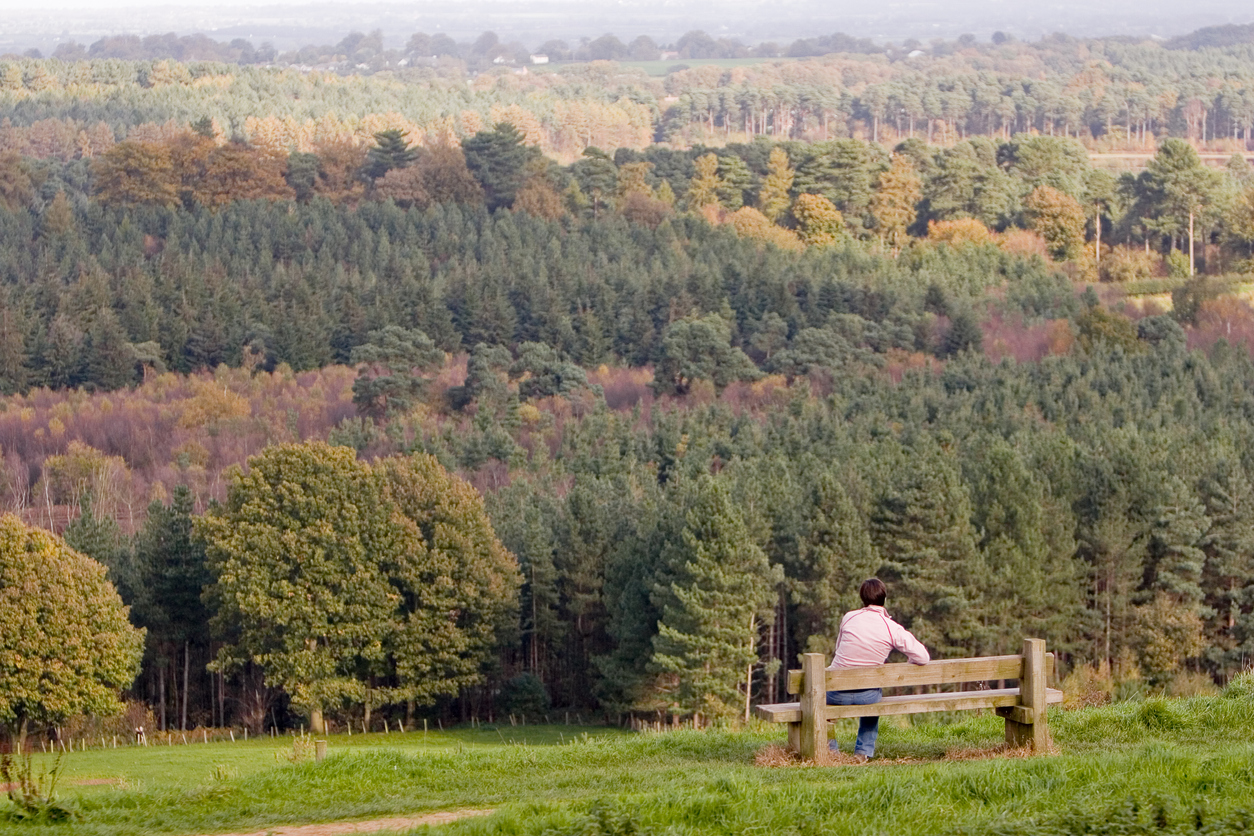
813, 742
1034, 732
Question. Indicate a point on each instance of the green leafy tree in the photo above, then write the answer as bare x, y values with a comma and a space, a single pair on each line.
454, 586
1058, 218
393, 367
821, 222
66, 646
699, 349
298, 584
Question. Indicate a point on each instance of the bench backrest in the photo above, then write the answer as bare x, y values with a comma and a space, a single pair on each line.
907, 675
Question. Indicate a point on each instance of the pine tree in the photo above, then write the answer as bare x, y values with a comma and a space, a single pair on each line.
1228, 572
390, 151
393, 368
921, 527
736, 182
834, 555
715, 593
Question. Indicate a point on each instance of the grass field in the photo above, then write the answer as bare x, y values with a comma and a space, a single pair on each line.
1146, 767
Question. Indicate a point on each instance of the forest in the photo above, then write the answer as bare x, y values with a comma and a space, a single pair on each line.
700, 386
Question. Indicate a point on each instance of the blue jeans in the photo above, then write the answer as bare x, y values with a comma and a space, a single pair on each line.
868, 727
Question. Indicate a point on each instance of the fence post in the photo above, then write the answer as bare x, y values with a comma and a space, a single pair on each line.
320, 750
1035, 731
813, 702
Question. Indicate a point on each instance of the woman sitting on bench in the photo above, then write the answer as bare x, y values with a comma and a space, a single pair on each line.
867, 636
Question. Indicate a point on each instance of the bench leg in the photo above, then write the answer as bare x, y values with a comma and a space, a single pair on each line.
1018, 734
813, 743
1032, 700
794, 738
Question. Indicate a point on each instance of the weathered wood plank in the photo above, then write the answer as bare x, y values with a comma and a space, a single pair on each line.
790, 712
1028, 727
939, 672
813, 740
780, 712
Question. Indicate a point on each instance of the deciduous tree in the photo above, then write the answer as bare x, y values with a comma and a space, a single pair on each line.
65, 643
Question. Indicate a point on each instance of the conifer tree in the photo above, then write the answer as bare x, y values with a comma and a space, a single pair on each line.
921, 527
714, 594
390, 151
1228, 545
834, 555
392, 370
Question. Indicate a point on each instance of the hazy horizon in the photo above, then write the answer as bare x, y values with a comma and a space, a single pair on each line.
292, 23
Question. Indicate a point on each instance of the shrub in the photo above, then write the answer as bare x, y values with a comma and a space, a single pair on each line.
1177, 265
525, 696
1126, 264
1088, 685
958, 232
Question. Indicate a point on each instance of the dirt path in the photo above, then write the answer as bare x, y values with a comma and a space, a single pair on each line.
336, 828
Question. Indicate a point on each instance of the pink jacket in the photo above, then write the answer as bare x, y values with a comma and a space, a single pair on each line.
868, 635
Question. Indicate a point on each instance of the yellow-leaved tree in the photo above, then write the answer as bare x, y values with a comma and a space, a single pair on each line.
66, 645
894, 202
773, 199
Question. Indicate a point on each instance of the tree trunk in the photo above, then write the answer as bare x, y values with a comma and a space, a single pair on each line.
753, 634
316, 724
161, 695
1190, 243
1097, 246
187, 665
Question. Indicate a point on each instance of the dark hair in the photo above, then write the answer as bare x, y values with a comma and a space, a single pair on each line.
873, 591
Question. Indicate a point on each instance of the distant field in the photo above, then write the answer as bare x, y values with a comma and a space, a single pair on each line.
1140, 767
661, 68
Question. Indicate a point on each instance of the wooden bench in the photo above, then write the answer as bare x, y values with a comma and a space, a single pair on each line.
1022, 707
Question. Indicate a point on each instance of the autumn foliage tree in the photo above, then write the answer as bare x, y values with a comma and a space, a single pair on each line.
136, 174
1058, 218
894, 204
66, 646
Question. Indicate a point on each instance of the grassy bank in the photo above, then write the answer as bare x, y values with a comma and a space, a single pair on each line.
1148, 767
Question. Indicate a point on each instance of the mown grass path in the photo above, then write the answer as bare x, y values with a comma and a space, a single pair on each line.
1150, 767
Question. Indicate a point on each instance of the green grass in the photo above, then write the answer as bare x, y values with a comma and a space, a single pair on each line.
1147, 767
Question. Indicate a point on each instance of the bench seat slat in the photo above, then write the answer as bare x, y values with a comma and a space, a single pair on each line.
790, 712
907, 675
